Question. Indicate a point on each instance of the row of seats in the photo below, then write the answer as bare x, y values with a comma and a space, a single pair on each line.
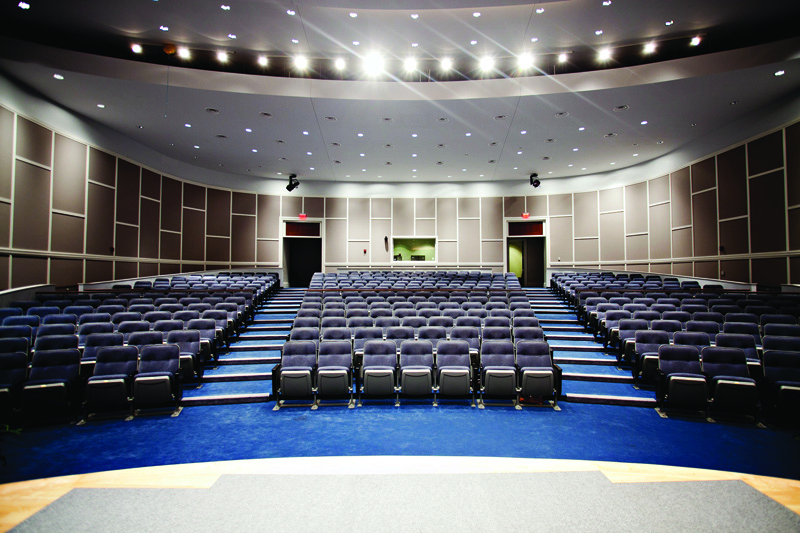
413, 280
333, 370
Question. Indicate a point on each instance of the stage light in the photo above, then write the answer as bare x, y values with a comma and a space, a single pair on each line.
293, 182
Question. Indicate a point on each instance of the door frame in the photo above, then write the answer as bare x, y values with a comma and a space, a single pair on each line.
282, 249
545, 235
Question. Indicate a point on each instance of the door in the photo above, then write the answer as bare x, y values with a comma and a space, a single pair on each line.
302, 257
526, 260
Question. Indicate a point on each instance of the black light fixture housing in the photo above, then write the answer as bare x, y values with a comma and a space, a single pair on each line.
535, 180
293, 182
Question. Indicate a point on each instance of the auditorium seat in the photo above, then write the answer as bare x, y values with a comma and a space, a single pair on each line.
498, 372
539, 378
680, 382
378, 370
781, 387
52, 388
416, 369
110, 387
157, 385
95, 341
454, 371
644, 358
731, 389
334, 376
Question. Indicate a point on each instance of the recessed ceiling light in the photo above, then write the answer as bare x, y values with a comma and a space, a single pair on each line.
583, 168
360, 134
669, 23
468, 134
562, 58
486, 63
361, 155
163, 28
101, 106
519, 152
695, 41
136, 48
649, 48
196, 146
463, 170
296, 41
473, 42
248, 130
24, 5
308, 153
58, 76
540, 10
659, 142
734, 102
524, 61
184, 53
606, 2
263, 61
305, 133
582, 128
446, 63
301, 62
414, 45
623, 107
413, 155
255, 151
187, 125
353, 15
311, 168
780, 72
612, 163
222, 57
516, 168
374, 64
363, 170
534, 39
356, 43
635, 155
231, 36
415, 16
561, 114
643, 123
523, 132
598, 32
476, 14
574, 149
291, 12
414, 135
410, 64
225, 7
604, 54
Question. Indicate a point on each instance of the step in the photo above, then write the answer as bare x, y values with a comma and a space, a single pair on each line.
547, 327
244, 376
548, 321
255, 346
598, 378
578, 337
264, 327
584, 361
266, 360
609, 400
226, 399
261, 322
249, 335
220, 388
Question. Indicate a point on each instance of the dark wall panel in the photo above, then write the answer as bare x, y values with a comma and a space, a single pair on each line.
704, 175
732, 183
102, 167
767, 216
170, 245
6, 153
67, 234
794, 269
268, 216
735, 270
291, 206
31, 207
765, 154
127, 241
681, 198
99, 271
5, 224
734, 236
219, 213
660, 233
244, 203
168, 268
218, 249
127, 192
770, 271
151, 185
148, 228
27, 271
34, 142
314, 207
100, 220
125, 270
194, 196
792, 163
794, 229
636, 208
683, 269
706, 269
148, 269
4, 266
64, 272
69, 175
704, 214
243, 243
194, 224
171, 202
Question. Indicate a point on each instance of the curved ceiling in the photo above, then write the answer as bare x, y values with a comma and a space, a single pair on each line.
270, 125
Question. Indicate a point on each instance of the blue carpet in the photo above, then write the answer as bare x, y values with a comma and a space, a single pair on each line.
274, 316
590, 369
238, 369
227, 432
229, 387
245, 342
612, 389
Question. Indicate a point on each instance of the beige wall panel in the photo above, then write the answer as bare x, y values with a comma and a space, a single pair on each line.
586, 215
5, 226
636, 247
243, 203
34, 142
67, 233
611, 199
335, 241
65, 272
560, 239
379, 248
102, 167
69, 175
448, 252
243, 243
704, 175
658, 190
32, 207
492, 252
358, 221
682, 269
706, 269
6, 160
268, 216
403, 216
314, 207
704, 214
536, 205
513, 206
126, 241
734, 236
381, 208
426, 227
661, 268
636, 208
735, 270
469, 207
767, 216
425, 207
763, 155
659, 232
491, 218
637, 267
447, 222
267, 252
586, 250
682, 242
681, 198
469, 244
291, 206
335, 207
218, 219
612, 237
732, 183
218, 249
127, 192
170, 246
27, 271
355, 253
171, 202
560, 204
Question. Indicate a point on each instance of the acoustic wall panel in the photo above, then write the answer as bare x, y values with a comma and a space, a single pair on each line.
99, 271
5, 225
492, 252
243, 242
102, 167
403, 216
636, 208
425, 227
268, 216
794, 229
243, 203
148, 269
469, 207
612, 236
683, 269
358, 221
491, 218
446, 218
218, 212
704, 214
26, 271
448, 252
425, 207
681, 198
560, 239
194, 196
767, 215
166, 269
586, 250
31, 207
170, 246
704, 175
536, 205
218, 249
291, 206
69, 175
513, 206
560, 204
469, 245
151, 187
67, 234
734, 236
706, 269
336, 207
771, 272
34, 142
794, 269
100, 220
636, 247
659, 232
380, 251
6, 159
66, 272
682, 242
171, 204
193, 237
127, 192
267, 252
586, 224
659, 190
661, 268
381, 207
149, 228
335, 241
125, 270
358, 252
126, 241
732, 183
611, 200
765, 154
314, 207
793, 164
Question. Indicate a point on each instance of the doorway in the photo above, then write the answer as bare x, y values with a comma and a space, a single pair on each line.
302, 258
526, 260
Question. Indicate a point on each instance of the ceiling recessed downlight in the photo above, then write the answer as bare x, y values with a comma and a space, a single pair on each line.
263, 61
136, 48
649, 48
222, 57
524, 61
604, 54
415, 16
540, 10
291, 12
623, 107
476, 14
58, 76
446, 63
339, 64
695, 41
301, 62
561, 114
780, 72
410, 64
101, 106
184, 53
562, 58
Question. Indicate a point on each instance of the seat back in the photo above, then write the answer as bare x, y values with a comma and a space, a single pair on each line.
159, 358
649, 341
340, 334
95, 341
416, 353
113, 360
58, 364
187, 339
379, 353
55, 329
452, 353
674, 359
305, 334
433, 334
145, 338
362, 335
56, 342
783, 344
699, 339
399, 334
718, 361
745, 343
533, 354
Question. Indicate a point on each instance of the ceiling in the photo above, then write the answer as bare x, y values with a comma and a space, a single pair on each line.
587, 118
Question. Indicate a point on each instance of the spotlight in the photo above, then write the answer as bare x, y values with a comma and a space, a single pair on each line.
535, 180
293, 182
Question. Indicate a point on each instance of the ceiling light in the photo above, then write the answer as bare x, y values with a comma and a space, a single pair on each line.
413, 155
604, 54
486, 63
293, 182
534, 39
163, 28
519, 152
649, 48
231, 36
373, 64
669, 23
360, 134
101, 106
570, 165
184, 53
361, 155
263, 61
225, 7
414, 135
523, 132
305, 133
476, 14
780, 72
581, 128
248, 130
525, 61
339, 64
301, 62
574, 149
606, 2
695, 41
136, 48
635, 155
356, 43
583, 168
255, 151
414, 16
643, 123
612, 163
598, 32
187, 125
295, 41
24, 5
410, 64
473, 42
58, 76
222, 57
562, 58
540, 10
446, 63
468, 134
311, 168
291, 12
353, 15
308, 153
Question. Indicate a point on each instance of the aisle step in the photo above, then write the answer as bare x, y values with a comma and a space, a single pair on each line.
565, 360
225, 399
244, 376
610, 400
578, 336
266, 360
597, 378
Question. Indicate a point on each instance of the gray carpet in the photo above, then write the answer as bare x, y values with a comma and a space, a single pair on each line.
572, 501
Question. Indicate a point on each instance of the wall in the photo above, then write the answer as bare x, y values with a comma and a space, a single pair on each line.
72, 213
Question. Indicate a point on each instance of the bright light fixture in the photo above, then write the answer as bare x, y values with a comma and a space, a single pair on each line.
356, 43
231, 36
473, 42
360, 134
301, 62
534, 39
695, 41
222, 57
649, 48
373, 64
486, 63
598, 32
643, 123
523, 132
339, 64
415, 16
295, 41
225, 7
58, 76
410, 64
263, 61
780, 72
136, 48
669, 23
562, 58
197, 146
525, 61
163, 28
101, 106
468, 134
540, 10
604, 54
24, 5
446, 63
291, 12
353, 15
255, 151
248, 130
476, 14
606, 2
582, 128
187, 125
414, 45
184, 53
305, 133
